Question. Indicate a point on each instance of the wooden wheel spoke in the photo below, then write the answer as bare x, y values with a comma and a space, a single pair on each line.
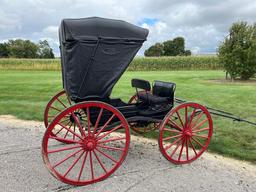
106, 155
110, 147
97, 121
62, 128
74, 137
198, 142
101, 164
192, 147
175, 149
91, 165
112, 139
65, 140
82, 167
186, 116
88, 119
168, 147
73, 164
187, 154
199, 124
201, 136
181, 149
68, 129
199, 130
108, 132
66, 134
178, 114
66, 158
61, 103
78, 124
197, 119
191, 117
55, 108
173, 124
105, 125
171, 130
63, 149
171, 137
66, 119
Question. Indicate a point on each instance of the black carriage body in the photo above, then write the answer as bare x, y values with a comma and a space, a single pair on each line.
95, 52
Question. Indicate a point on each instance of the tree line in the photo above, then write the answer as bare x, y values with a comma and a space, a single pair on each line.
20, 48
175, 47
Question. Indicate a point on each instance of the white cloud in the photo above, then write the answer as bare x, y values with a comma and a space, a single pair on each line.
203, 23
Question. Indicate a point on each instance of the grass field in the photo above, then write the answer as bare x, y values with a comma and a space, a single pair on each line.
25, 94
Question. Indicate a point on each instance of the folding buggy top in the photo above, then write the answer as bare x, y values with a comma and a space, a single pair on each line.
88, 132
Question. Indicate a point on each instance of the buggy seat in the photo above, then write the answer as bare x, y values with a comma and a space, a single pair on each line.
163, 92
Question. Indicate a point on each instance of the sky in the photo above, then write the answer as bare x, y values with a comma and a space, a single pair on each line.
203, 23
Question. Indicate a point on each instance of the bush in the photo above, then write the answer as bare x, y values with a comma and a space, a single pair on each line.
238, 51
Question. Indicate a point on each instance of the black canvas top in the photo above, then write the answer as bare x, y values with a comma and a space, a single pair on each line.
94, 54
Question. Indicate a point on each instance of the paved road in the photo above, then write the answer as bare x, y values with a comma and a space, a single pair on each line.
22, 169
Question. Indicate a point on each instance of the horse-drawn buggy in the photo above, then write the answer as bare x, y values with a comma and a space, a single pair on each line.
88, 132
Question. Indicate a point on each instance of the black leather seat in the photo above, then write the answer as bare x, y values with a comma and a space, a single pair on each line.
151, 98
162, 91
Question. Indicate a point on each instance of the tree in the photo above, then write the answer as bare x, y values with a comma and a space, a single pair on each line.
20, 48
179, 46
173, 47
4, 52
187, 53
169, 48
238, 51
155, 50
44, 50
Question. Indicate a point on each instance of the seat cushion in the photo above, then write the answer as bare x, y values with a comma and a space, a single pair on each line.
152, 98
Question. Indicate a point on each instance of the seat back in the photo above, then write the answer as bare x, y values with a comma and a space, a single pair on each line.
141, 84
164, 89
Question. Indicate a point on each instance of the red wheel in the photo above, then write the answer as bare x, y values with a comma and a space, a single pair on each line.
98, 143
134, 127
58, 103
185, 133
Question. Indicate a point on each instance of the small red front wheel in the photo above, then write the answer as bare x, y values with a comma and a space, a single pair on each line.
185, 133
57, 104
89, 151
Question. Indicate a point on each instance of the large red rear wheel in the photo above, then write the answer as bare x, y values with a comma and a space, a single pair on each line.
185, 133
95, 150
134, 127
57, 104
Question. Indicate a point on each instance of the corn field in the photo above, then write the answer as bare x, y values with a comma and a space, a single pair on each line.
138, 64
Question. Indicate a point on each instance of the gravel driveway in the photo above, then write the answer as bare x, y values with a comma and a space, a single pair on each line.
144, 169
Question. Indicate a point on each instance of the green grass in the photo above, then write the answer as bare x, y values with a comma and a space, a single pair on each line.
138, 64
25, 94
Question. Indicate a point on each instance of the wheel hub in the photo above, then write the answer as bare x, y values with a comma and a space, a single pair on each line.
188, 133
89, 144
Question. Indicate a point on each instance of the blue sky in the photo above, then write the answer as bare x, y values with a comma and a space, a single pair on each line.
203, 23
148, 21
